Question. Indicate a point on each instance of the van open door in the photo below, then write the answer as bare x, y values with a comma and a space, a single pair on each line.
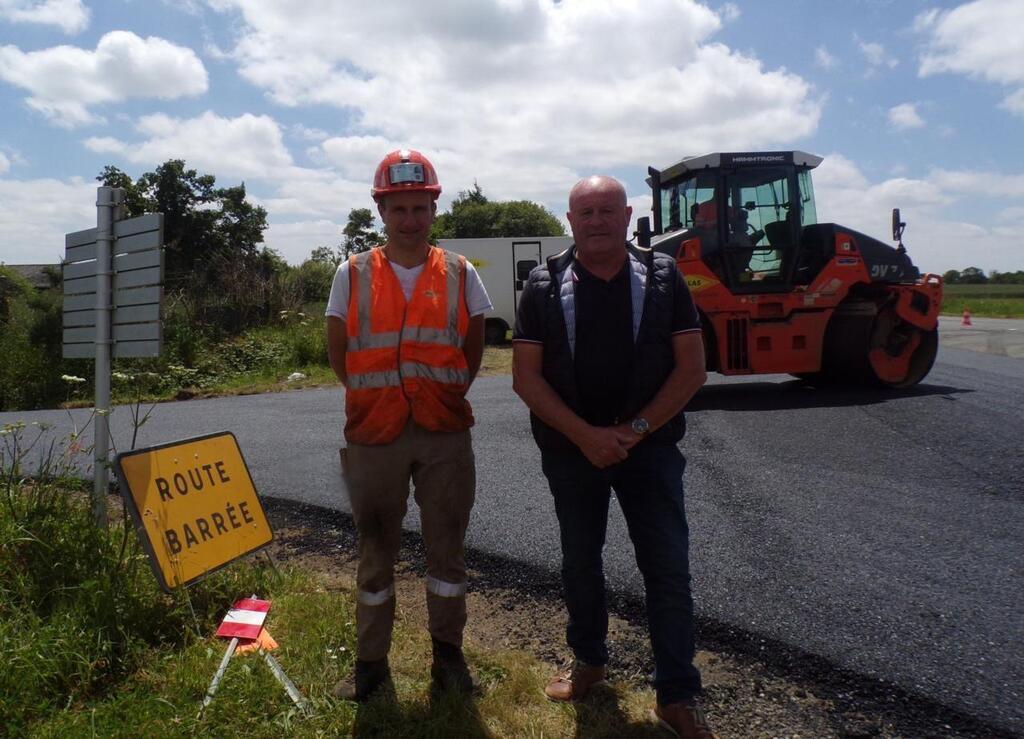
525, 256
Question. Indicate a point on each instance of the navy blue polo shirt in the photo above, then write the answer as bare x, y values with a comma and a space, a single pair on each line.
604, 337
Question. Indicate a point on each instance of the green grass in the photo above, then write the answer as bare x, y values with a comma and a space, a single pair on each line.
160, 691
91, 647
987, 291
81, 618
259, 361
316, 633
990, 301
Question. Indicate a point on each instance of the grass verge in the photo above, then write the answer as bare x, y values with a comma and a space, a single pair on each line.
162, 697
953, 305
497, 360
93, 648
988, 301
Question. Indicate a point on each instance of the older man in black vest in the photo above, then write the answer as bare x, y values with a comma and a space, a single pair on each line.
607, 353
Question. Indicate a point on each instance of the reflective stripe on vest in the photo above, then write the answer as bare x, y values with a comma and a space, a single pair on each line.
404, 356
437, 374
366, 339
445, 337
362, 381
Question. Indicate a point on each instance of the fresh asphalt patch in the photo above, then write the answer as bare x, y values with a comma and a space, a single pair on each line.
849, 704
878, 533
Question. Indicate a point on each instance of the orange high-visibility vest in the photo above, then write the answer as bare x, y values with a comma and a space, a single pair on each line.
406, 358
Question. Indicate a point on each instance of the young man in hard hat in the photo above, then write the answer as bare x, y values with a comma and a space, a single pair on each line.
607, 353
405, 334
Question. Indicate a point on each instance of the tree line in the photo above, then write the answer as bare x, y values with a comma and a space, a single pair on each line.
217, 266
975, 276
220, 277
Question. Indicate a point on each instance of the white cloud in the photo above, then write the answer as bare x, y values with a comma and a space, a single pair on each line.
730, 12
838, 173
934, 237
252, 147
1014, 102
979, 39
306, 133
37, 213
905, 116
295, 241
319, 194
189, 7
511, 84
823, 59
992, 184
68, 15
520, 96
1012, 215
5, 163
357, 156
875, 54
64, 81
246, 146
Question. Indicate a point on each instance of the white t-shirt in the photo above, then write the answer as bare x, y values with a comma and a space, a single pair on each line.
477, 299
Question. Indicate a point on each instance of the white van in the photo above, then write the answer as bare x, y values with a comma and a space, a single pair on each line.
504, 264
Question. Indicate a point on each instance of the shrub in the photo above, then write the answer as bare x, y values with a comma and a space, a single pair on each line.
306, 342
79, 607
312, 279
30, 344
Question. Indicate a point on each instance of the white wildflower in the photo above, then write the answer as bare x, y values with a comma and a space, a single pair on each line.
72, 379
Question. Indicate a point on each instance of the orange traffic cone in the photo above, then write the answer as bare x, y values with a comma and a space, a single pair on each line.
966, 320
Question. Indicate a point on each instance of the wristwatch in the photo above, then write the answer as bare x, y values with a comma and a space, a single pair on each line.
640, 426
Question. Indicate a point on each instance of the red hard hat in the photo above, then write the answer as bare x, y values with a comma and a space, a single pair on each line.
405, 170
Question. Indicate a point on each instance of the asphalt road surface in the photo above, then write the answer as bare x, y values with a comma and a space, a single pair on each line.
881, 532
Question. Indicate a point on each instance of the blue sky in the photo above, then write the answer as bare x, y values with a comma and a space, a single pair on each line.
913, 103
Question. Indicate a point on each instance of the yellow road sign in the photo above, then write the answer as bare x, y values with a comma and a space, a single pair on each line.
194, 504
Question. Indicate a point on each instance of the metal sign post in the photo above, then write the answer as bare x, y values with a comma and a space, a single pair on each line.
107, 201
113, 277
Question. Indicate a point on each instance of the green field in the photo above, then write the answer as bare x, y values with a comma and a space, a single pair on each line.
992, 301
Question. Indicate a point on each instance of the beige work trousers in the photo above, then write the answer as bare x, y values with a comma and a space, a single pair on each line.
443, 471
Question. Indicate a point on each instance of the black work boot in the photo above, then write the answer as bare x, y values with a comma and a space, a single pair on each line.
365, 679
450, 671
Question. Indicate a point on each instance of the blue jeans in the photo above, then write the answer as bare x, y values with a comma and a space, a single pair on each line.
649, 487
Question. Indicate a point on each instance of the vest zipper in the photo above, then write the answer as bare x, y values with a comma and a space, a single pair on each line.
401, 332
